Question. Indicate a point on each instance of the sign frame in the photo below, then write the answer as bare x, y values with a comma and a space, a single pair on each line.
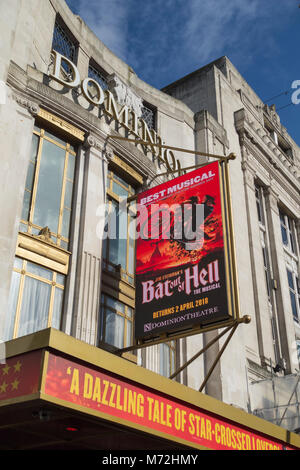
230, 264
215, 257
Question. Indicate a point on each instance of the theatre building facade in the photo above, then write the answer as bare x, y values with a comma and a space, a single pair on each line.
68, 292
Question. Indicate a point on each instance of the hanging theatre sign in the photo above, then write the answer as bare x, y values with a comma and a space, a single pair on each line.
180, 258
185, 273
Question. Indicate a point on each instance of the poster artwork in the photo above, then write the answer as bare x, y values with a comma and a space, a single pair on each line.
180, 268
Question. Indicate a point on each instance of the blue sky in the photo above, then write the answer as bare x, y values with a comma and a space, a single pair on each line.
163, 40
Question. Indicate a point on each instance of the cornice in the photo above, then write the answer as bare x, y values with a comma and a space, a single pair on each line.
254, 137
31, 106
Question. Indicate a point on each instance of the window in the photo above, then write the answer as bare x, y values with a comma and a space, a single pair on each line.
42, 253
35, 300
119, 247
277, 137
149, 116
64, 43
285, 148
117, 320
259, 204
267, 269
98, 75
298, 349
118, 292
49, 187
267, 266
288, 232
294, 288
167, 358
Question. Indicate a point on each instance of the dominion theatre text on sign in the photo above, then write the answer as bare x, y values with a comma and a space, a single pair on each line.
180, 270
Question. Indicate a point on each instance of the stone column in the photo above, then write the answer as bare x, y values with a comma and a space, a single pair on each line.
262, 313
214, 384
283, 302
88, 266
17, 117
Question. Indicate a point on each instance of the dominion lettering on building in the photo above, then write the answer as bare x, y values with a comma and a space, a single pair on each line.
127, 117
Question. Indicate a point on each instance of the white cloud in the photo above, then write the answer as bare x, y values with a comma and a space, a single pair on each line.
108, 19
238, 26
165, 39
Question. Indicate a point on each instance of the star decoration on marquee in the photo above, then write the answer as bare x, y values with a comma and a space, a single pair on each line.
17, 366
3, 387
15, 384
5, 369
11, 377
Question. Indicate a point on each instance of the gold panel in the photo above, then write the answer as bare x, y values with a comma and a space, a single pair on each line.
119, 296
43, 253
120, 287
61, 124
127, 169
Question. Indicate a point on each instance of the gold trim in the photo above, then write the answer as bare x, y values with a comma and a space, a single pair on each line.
226, 237
44, 368
19, 301
35, 180
43, 253
112, 195
51, 301
21, 399
119, 296
111, 280
232, 243
231, 156
61, 124
63, 190
127, 169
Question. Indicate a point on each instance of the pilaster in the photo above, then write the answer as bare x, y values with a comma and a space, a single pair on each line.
17, 117
89, 254
263, 347
285, 317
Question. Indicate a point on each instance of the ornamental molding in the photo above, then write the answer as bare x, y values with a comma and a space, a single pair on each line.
124, 94
104, 152
253, 135
32, 107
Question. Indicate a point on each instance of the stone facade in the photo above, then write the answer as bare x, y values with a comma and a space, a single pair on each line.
212, 110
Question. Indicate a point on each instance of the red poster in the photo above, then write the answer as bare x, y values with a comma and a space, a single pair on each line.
117, 398
180, 267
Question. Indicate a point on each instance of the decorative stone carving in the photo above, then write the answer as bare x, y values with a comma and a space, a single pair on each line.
105, 152
249, 174
45, 235
91, 141
32, 107
272, 196
124, 94
271, 112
